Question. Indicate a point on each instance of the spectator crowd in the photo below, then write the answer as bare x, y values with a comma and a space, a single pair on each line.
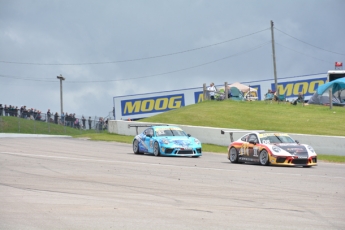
67, 119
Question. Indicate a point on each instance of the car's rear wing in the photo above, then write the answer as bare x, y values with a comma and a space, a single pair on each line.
238, 131
143, 125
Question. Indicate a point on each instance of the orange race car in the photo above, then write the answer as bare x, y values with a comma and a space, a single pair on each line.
271, 149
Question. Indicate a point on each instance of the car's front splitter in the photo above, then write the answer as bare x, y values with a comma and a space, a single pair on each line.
293, 161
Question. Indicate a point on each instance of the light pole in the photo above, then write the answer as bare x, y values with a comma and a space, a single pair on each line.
274, 59
61, 102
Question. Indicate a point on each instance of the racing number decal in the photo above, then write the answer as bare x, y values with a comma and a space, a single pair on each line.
244, 149
151, 144
256, 150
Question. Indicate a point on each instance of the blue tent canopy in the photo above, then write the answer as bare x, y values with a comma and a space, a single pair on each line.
336, 85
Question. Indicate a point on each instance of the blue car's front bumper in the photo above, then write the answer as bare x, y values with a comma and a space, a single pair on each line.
180, 151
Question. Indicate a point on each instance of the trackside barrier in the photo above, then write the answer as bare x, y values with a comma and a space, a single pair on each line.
328, 145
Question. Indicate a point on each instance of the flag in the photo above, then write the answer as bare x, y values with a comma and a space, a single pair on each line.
338, 64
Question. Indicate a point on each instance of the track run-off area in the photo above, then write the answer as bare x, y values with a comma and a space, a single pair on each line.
67, 183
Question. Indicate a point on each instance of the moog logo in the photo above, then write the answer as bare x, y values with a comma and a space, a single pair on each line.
198, 97
292, 88
152, 104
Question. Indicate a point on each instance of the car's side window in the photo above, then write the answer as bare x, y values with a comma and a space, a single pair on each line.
253, 138
148, 132
151, 132
244, 138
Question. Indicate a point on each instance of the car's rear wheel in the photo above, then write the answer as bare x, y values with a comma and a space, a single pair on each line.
233, 156
156, 149
264, 158
136, 147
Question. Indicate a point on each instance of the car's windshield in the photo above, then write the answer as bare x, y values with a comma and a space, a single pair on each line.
275, 138
170, 132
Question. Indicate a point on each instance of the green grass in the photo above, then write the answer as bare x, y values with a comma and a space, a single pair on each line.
311, 119
19, 125
258, 115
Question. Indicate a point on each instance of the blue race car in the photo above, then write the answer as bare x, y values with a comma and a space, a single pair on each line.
166, 141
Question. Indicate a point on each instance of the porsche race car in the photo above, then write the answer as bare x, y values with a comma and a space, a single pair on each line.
271, 149
166, 141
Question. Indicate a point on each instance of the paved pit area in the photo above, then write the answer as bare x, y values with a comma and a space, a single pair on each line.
66, 183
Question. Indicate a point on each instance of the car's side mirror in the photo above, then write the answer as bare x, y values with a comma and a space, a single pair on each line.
297, 141
148, 135
188, 135
253, 142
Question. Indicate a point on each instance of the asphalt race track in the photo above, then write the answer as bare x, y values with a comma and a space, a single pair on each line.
66, 183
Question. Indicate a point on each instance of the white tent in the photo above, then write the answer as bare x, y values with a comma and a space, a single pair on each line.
249, 93
243, 88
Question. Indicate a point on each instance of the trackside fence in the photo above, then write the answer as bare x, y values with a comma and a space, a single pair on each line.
46, 124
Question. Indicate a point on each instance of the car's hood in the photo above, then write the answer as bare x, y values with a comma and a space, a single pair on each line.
180, 140
294, 149
177, 138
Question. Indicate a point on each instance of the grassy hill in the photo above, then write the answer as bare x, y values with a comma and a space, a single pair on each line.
20, 125
258, 115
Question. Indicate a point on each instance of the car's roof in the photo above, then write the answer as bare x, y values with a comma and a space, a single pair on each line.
165, 127
270, 133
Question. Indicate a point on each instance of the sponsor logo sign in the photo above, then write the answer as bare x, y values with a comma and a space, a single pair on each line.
152, 104
198, 97
292, 88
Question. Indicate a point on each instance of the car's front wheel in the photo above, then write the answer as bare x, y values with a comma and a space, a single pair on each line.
136, 147
264, 158
233, 156
156, 149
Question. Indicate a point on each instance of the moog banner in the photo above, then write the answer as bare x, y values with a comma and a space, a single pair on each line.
144, 105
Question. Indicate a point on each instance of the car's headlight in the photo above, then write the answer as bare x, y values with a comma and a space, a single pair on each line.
165, 141
276, 149
197, 141
310, 149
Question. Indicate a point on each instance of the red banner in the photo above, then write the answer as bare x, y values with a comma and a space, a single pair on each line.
338, 64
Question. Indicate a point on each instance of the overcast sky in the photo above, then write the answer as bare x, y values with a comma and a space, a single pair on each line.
124, 47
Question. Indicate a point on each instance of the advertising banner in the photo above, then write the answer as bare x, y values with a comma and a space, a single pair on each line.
139, 106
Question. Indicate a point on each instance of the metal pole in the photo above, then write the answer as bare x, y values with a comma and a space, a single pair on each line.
204, 91
61, 100
330, 98
274, 59
18, 125
226, 90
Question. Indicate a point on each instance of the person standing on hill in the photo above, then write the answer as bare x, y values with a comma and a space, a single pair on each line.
62, 120
1, 110
90, 121
56, 118
83, 120
6, 110
48, 115
211, 90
